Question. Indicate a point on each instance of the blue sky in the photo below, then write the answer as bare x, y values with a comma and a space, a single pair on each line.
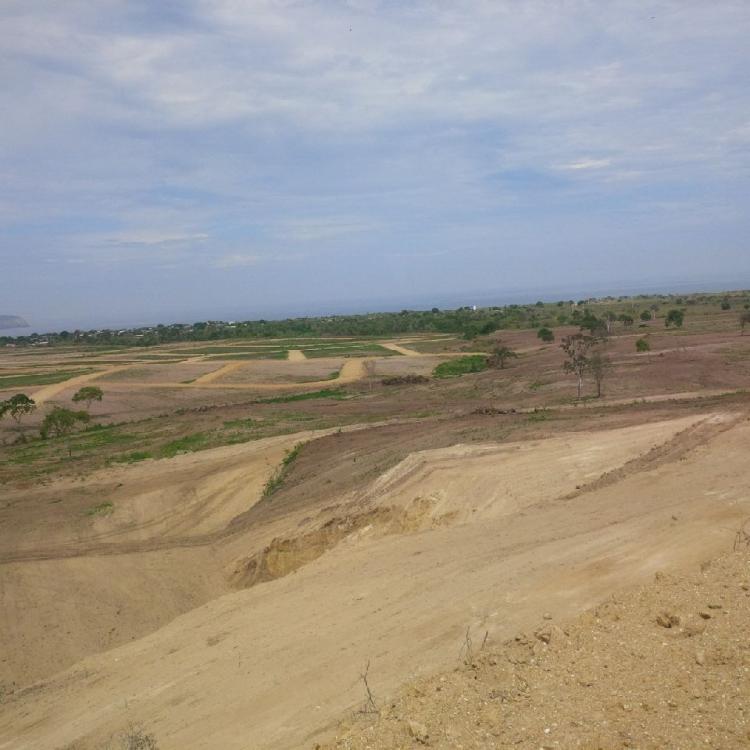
178, 160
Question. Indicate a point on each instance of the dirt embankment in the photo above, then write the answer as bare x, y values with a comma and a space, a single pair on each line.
270, 666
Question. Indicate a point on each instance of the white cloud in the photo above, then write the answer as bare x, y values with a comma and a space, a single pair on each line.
587, 164
154, 237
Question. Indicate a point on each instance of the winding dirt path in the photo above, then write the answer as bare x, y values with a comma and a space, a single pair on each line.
50, 391
209, 377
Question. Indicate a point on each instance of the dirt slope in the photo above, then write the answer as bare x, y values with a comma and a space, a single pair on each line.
270, 666
613, 677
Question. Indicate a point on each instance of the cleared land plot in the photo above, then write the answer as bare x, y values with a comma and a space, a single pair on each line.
158, 373
406, 365
349, 350
270, 354
39, 378
285, 371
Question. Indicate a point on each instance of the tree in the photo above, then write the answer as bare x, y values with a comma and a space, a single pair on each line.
646, 316
17, 407
546, 335
744, 320
642, 346
577, 348
726, 304
500, 355
88, 394
626, 320
674, 317
599, 367
61, 421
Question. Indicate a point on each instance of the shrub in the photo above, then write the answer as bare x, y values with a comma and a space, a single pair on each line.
61, 422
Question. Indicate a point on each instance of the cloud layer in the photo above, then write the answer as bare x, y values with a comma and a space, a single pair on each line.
262, 149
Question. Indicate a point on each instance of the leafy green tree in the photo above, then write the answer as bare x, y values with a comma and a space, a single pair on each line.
88, 394
646, 316
674, 318
726, 304
546, 335
17, 407
500, 356
62, 421
642, 346
577, 348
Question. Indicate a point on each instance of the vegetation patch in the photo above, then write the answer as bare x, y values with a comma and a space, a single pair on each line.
349, 350
405, 380
102, 509
274, 354
335, 393
277, 478
187, 444
40, 378
460, 366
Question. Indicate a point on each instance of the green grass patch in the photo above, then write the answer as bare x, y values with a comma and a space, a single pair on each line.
103, 509
40, 378
538, 416
274, 354
349, 350
454, 368
277, 478
188, 444
335, 393
244, 424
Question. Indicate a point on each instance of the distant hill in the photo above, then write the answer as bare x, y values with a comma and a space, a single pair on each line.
12, 321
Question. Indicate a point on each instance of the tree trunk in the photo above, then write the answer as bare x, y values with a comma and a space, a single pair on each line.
580, 385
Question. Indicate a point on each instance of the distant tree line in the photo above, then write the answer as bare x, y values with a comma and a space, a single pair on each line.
467, 322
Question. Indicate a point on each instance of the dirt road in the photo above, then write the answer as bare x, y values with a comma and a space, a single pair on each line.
50, 391
210, 377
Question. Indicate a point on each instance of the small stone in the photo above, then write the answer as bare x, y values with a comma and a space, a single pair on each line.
704, 615
547, 616
418, 731
667, 620
700, 657
714, 606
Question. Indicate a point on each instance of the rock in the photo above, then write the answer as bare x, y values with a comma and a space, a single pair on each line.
700, 657
667, 620
549, 633
705, 615
547, 616
418, 731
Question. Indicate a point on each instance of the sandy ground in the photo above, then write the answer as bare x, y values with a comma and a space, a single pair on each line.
662, 666
487, 537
